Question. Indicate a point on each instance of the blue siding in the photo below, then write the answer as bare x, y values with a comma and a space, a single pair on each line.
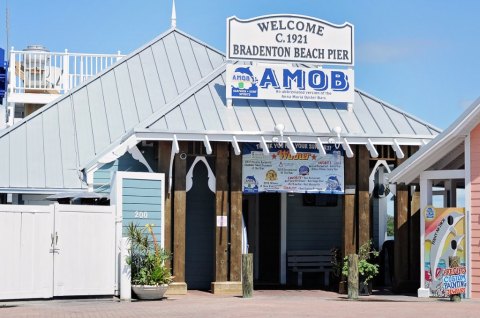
103, 176
142, 204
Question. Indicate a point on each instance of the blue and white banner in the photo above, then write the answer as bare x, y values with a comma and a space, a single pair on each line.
279, 171
283, 82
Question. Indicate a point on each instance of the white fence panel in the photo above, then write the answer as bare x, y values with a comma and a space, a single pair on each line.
26, 266
85, 250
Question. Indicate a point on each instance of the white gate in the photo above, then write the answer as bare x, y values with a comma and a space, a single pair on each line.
56, 250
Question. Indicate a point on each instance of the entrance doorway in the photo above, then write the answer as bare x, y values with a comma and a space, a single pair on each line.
268, 239
200, 231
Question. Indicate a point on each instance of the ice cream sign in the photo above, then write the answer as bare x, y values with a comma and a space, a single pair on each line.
289, 38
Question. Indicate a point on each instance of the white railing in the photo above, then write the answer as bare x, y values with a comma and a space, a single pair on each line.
54, 73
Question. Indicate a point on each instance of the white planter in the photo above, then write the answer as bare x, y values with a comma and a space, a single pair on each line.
149, 292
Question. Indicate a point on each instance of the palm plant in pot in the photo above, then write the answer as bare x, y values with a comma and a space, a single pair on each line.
149, 275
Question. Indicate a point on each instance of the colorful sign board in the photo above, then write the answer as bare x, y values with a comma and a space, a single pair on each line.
282, 82
280, 171
289, 38
444, 237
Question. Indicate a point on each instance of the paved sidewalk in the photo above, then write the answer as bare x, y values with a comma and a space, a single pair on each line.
271, 303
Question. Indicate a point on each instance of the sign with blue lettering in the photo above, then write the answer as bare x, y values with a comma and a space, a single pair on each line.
289, 38
282, 82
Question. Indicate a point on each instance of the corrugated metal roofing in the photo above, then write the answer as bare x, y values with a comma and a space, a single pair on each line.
205, 110
173, 84
47, 148
451, 140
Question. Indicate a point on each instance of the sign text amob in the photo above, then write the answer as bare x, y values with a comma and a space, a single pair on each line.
282, 82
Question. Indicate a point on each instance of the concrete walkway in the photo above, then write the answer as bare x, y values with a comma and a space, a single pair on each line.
271, 303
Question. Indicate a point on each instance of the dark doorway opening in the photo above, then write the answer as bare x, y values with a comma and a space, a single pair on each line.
268, 240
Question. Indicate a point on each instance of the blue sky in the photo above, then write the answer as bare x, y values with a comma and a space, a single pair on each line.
422, 56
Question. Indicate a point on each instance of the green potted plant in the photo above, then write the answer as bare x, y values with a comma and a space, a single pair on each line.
367, 270
336, 260
149, 275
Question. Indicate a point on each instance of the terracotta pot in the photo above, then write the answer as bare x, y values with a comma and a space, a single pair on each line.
149, 292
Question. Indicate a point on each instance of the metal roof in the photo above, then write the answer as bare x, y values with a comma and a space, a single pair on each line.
444, 149
47, 148
174, 87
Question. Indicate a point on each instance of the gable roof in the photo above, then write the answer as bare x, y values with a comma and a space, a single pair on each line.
175, 85
46, 149
450, 139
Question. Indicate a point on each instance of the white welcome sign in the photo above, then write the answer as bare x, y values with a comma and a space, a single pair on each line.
290, 38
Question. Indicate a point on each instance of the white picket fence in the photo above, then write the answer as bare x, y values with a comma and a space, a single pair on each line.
56, 250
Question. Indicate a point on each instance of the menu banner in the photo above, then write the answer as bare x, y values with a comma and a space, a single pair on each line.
306, 172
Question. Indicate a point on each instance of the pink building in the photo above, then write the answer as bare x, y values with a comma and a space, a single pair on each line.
447, 170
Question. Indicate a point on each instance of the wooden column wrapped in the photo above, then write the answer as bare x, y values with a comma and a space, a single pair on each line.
349, 227
401, 232
236, 218
179, 217
221, 198
363, 195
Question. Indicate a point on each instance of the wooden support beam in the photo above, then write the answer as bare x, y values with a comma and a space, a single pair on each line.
236, 218
179, 217
415, 215
353, 276
414, 249
363, 160
164, 150
221, 207
401, 232
349, 228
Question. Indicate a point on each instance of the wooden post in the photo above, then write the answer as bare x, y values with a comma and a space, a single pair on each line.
363, 195
401, 237
164, 151
454, 261
414, 228
414, 248
349, 228
236, 218
221, 198
353, 276
179, 217
247, 275
401, 232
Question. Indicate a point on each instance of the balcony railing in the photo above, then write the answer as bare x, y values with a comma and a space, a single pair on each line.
53, 73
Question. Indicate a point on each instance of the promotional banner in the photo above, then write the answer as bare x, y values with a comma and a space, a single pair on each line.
283, 82
444, 237
289, 38
279, 171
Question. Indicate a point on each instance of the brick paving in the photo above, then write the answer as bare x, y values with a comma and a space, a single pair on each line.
268, 303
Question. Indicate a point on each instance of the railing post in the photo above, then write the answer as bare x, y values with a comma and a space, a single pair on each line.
12, 80
66, 72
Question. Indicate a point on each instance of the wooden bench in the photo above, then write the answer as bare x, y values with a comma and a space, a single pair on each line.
310, 261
